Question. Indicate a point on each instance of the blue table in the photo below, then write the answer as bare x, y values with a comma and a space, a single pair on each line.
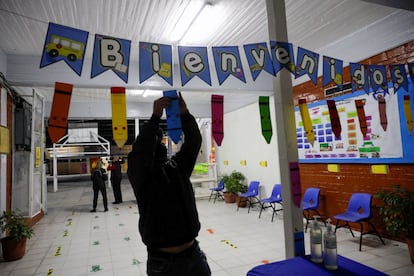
304, 266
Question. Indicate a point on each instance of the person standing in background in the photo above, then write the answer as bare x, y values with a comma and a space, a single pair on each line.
98, 178
116, 177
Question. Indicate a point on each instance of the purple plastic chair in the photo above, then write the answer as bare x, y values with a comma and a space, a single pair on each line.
358, 211
275, 198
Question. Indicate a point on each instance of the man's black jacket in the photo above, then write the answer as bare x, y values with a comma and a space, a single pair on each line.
167, 210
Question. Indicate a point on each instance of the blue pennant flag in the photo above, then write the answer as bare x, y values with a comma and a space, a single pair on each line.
332, 71
282, 55
398, 77
194, 62
173, 113
155, 59
64, 43
227, 61
307, 63
258, 58
378, 78
359, 77
110, 53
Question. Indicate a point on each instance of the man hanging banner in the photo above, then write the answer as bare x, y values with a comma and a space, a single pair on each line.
110, 53
265, 121
173, 113
217, 113
332, 71
194, 62
378, 78
282, 55
307, 63
64, 43
398, 77
155, 59
258, 58
58, 119
227, 61
119, 118
359, 77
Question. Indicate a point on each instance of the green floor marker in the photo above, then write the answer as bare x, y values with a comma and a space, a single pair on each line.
135, 262
96, 268
96, 227
49, 272
127, 239
121, 224
65, 233
57, 253
95, 243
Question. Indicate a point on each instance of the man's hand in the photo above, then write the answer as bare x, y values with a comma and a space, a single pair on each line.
159, 105
183, 106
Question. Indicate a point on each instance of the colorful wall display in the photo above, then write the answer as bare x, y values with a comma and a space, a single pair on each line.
374, 129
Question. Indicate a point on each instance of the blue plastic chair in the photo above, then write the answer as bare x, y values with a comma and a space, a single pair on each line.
251, 194
310, 204
217, 191
275, 198
358, 211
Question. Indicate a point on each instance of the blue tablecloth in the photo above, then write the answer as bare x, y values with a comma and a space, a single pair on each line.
304, 266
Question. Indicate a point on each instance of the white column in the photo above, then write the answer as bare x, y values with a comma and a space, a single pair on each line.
286, 132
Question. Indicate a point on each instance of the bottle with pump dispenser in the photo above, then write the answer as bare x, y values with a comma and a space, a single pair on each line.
330, 256
316, 241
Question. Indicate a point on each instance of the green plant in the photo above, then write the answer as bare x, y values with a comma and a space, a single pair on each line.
235, 182
398, 211
13, 223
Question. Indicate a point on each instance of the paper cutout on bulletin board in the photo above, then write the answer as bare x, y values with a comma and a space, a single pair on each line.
243, 162
333, 168
226, 162
379, 169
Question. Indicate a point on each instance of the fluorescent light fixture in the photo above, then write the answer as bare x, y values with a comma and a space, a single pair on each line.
152, 93
204, 25
187, 17
135, 92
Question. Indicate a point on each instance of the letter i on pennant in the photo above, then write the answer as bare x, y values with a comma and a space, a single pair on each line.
58, 120
173, 113
307, 123
265, 120
217, 118
119, 120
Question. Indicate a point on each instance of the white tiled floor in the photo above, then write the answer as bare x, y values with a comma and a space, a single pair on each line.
70, 240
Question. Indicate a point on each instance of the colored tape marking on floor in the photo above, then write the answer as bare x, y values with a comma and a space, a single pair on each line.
135, 262
229, 243
265, 261
211, 231
127, 239
96, 268
65, 233
57, 253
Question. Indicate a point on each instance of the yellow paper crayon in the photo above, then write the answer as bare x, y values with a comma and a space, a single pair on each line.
119, 121
307, 123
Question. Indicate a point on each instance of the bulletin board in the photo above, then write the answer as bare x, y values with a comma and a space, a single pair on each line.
390, 142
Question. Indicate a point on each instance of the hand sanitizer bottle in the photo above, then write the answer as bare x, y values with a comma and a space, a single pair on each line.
316, 241
330, 257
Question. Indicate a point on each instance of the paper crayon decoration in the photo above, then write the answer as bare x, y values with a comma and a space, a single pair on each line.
296, 186
359, 104
307, 123
265, 118
119, 119
382, 108
58, 120
217, 118
408, 113
173, 113
263, 163
334, 116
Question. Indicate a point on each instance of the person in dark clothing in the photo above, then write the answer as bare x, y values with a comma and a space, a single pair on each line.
168, 217
116, 178
98, 178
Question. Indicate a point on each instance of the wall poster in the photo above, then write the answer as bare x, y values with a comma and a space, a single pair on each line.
373, 129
